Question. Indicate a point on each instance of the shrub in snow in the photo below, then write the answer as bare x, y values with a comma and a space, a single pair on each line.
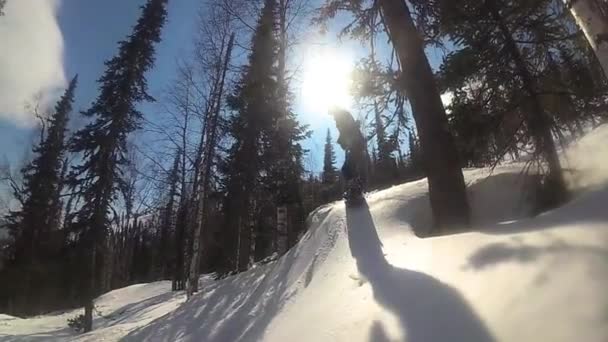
76, 323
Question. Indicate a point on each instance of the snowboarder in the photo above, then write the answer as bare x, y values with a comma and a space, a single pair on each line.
351, 140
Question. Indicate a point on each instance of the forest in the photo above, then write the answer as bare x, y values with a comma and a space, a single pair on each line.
227, 183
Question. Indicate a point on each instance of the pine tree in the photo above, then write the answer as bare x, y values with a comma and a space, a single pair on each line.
252, 103
509, 72
329, 175
283, 155
103, 142
35, 226
447, 190
415, 167
259, 172
539, 123
384, 164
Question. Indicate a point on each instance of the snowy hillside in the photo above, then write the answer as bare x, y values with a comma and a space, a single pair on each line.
364, 275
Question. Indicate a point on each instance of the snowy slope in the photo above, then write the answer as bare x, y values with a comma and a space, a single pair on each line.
364, 275
118, 312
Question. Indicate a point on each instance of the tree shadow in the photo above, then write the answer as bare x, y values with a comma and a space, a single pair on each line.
585, 208
120, 315
500, 252
427, 309
495, 198
502, 204
216, 315
64, 334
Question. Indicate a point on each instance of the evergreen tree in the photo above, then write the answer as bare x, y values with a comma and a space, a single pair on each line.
511, 82
284, 157
254, 106
103, 142
35, 226
383, 162
329, 175
415, 166
264, 164
447, 190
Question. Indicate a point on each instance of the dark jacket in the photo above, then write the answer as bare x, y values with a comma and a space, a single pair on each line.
350, 138
353, 143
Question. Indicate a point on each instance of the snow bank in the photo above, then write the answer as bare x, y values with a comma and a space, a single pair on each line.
117, 313
364, 275
586, 161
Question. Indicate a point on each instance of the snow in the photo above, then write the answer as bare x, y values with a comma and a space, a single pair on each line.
365, 275
117, 313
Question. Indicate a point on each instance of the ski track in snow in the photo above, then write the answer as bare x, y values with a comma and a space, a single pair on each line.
364, 274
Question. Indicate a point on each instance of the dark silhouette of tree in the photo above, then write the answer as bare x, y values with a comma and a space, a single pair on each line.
34, 228
103, 142
253, 103
447, 190
330, 175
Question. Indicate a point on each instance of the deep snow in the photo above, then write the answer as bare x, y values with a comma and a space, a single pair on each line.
363, 275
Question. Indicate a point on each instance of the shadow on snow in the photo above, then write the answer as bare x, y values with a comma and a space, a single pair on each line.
427, 309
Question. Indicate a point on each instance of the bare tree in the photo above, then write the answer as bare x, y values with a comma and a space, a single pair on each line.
214, 52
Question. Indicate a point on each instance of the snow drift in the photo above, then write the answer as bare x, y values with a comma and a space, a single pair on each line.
364, 275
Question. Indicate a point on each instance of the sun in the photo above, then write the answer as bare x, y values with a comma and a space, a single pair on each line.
327, 80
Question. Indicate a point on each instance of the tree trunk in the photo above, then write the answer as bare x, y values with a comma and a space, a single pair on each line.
538, 121
447, 190
590, 15
282, 230
280, 239
108, 268
180, 230
167, 221
205, 175
90, 297
244, 253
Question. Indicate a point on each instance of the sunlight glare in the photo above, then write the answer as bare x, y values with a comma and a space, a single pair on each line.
327, 80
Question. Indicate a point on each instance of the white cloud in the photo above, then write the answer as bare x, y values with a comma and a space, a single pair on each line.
31, 57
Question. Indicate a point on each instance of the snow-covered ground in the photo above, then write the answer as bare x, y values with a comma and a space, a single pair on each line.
363, 275
117, 313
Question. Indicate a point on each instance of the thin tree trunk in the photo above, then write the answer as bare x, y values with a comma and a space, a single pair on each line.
590, 17
447, 189
245, 229
282, 213
178, 271
205, 175
88, 306
167, 223
282, 229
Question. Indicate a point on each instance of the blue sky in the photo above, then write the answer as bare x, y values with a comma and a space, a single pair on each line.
91, 30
